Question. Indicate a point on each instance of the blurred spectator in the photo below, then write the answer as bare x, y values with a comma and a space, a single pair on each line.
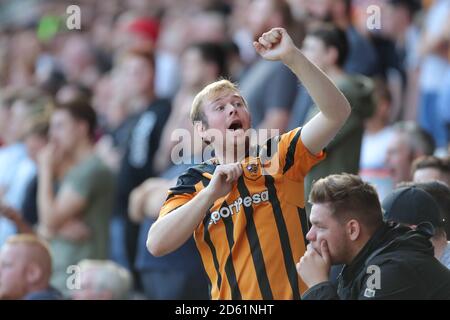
444, 96
377, 135
415, 203
140, 149
269, 87
408, 143
434, 52
327, 47
39, 116
347, 227
362, 57
397, 44
103, 280
16, 168
431, 168
120, 98
25, 269
78, 60
35, 141
75, 216
23, 52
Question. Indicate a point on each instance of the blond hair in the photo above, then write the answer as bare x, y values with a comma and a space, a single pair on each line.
38, 251
209, 92
28, 239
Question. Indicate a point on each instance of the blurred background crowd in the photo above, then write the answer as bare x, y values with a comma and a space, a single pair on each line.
87, 117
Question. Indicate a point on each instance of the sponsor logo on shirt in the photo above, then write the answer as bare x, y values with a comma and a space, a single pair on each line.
235, 207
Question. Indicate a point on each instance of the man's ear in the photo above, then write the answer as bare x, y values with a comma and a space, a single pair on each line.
200, 127
33, 273
332, 56
353, 229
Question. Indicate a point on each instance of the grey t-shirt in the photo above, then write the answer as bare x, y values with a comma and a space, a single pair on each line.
268, 85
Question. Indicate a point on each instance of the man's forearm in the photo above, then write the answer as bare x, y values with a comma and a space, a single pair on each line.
171, 231
45, 197
328, 98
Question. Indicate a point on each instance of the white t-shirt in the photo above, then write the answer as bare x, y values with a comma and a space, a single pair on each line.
373, 149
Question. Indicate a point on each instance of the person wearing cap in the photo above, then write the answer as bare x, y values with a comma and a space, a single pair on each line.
381, 260
422, 209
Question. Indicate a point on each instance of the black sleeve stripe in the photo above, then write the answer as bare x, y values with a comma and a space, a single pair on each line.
291, 152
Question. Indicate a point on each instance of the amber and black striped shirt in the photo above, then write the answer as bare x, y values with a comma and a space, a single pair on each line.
251, 239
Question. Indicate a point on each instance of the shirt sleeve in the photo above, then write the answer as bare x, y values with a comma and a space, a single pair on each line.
187, 186
294, 159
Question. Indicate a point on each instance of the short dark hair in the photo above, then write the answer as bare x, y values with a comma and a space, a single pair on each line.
81, 110
143, 53
213, 53
434, 162
349, 197
332, 36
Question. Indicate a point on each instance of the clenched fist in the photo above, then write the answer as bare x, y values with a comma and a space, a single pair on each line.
275, 44
223, 179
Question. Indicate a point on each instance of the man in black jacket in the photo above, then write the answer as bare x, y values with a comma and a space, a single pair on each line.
382, 261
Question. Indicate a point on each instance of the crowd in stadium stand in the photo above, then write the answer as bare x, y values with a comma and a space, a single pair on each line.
90, 122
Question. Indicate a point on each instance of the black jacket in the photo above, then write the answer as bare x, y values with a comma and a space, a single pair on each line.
396, 263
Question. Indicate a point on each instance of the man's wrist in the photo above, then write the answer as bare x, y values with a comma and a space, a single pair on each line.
317, 281
208, 195
289, 58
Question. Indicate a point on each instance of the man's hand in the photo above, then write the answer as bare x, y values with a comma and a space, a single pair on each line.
314, 267
48, 158
275, 44
147, 199
223, 179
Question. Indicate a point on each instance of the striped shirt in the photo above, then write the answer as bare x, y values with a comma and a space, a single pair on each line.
251, 239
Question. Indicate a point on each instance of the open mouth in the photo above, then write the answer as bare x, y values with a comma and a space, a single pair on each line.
235, 125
